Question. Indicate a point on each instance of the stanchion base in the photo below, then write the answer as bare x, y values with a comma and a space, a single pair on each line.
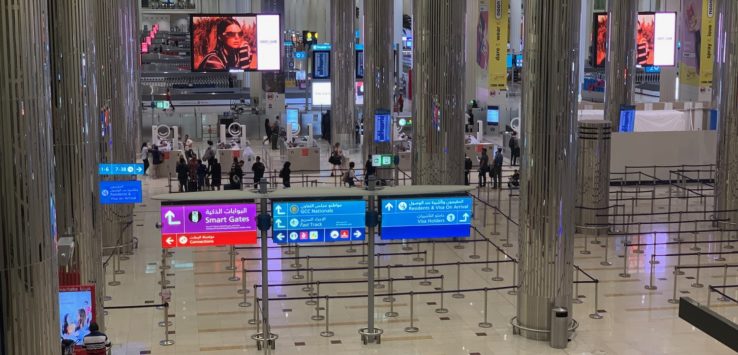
606, 263
507, 245
441, 310
362, 262
351, 251
298, 277
418, 259
165, 267
234, 278
108, 298
728, 246
307, 289
166, 342
124, 258
162, 324
316, 318
378, 286
655, 262
295, 265
407, 248
119, 272
624, 275
638, 251
594, 242
458, 295
388, 299
485, 325
673, 301
576, 300
424, 283
311, 302
723, 299
495, 233
677, 239
458, 247
271, 341
230, 268
679, 273
391, 314
585, 252
373, 335
327, 334
166, 282
251, 321
595, 316
244, 304
289, 252
487, 269
695, 249
432, 271
651, 288
241, 291
113, 283
411, 329
498, 278
697, 285
720, 259
474, 257
512, 292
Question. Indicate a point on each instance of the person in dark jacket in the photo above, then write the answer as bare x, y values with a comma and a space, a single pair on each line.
268, 131
182, 172
496, 173
202, 173
467, 169
285, 174
236, 175
157, 159
483, 168
258, 169
514, 149
369, 170
215, 174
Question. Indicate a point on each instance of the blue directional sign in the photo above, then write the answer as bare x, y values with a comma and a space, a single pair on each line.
120, 169
436, 217
318, 221
120, 192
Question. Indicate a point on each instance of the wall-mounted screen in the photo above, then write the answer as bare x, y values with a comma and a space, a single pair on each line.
493, 115
236, 42
321, 65
627, 118
76, 311
360, 64
382, 126
359, 92
655, 39
321, 93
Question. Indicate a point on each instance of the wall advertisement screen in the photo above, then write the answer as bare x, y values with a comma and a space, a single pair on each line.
235, 42
321, 93
655, 39
76, 311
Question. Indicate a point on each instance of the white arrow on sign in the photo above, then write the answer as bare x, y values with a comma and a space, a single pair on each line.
170, 218
139, 169
278, 209
466, 217
388, 206
357, 234
169, 241
280, 237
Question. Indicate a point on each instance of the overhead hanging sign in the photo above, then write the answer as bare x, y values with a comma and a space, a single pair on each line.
435, 217
120, 192
189, 226
497, 34
318, 221
120, 169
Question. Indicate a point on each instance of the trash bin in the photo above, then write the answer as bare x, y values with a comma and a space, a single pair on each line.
559, 328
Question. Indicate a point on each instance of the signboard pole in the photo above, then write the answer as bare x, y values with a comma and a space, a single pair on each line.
265, 280
370, 334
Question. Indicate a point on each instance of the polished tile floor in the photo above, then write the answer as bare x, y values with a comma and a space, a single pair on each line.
207, 318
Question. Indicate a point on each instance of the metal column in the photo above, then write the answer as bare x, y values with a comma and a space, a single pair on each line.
593, 176
343, 72
725, 91
379, 82
29, 321
438, 92
549, 118
621, 57
76, 143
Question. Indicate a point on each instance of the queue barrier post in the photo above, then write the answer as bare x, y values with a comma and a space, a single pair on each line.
485, 323
412, 328
327, 333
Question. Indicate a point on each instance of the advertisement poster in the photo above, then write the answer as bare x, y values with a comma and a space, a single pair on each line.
705, 63
482, 43
76, 311
498, 31
655, 39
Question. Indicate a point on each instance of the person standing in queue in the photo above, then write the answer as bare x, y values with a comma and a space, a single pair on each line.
268, 131
514, 145
496, 173
236, 175
483, 168
285, 174
145, 156
369, 170
215, 174
258, 169
209, 154
467, 169
182, 171
202, 173
157, 159
349, 177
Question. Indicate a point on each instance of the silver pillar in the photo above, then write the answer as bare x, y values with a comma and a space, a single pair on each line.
621, 58
725, 91
379, 80
76, 143
548, 173
343, 72
438, 92
29, 308
593, 176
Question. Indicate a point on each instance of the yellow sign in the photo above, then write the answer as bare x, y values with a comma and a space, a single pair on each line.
707, 48
497, 35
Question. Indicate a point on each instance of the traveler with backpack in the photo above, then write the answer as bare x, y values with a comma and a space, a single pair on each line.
514, 149
258, 169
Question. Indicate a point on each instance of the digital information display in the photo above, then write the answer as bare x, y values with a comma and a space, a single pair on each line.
382, 126
382, 160
120, 169
493, 115
191, 226
627, 118
321, 93
360, 64
120, 192
319, 221
321, 65
437, 217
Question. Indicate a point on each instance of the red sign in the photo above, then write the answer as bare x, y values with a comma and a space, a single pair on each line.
198, 240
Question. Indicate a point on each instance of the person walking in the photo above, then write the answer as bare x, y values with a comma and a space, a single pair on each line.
483, 168
496, 173
285, 174
268, 131
336, 159
514, 145
182, 171
258, 169
215, 172
467, 169
145, 156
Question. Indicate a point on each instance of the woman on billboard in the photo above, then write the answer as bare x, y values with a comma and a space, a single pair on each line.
232, 49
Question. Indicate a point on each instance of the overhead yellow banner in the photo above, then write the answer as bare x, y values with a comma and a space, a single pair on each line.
497, 36
707, 47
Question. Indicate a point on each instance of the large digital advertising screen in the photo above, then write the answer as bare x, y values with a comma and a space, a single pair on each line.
236, 42
655, 39
321, 93
76, 311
